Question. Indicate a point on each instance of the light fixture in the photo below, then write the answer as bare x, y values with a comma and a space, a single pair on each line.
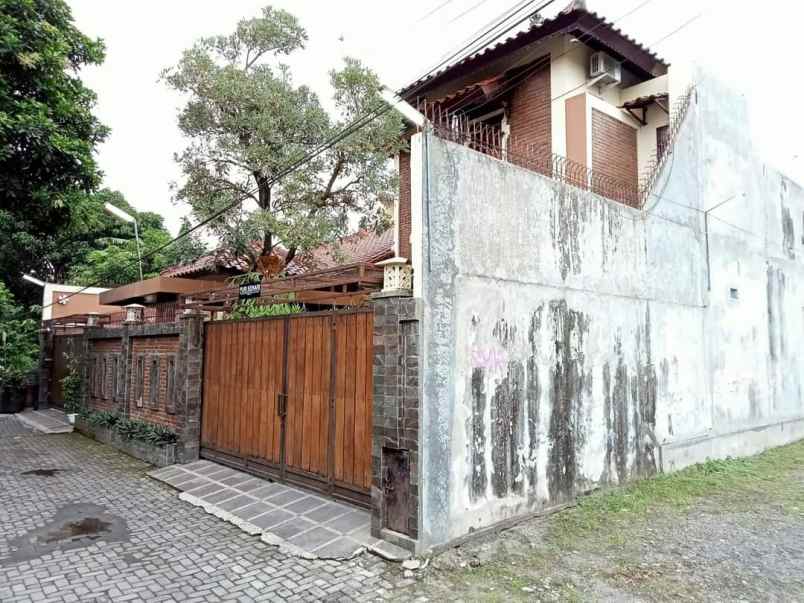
33, 279
125, 217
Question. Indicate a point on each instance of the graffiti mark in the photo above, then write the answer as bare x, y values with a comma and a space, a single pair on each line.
489, 358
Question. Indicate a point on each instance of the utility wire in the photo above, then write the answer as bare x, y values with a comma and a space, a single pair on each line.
354, 126
523, 76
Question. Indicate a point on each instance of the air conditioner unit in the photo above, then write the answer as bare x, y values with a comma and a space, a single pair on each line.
605, 67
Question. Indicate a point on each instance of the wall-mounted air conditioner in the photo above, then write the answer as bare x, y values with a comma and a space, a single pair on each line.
605, 67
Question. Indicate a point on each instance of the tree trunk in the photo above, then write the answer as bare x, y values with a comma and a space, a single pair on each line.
264, 188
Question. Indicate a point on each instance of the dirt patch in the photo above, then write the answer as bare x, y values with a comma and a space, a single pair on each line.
725, 530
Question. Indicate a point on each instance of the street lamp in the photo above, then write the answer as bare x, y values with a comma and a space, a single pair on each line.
33, 279
120, 214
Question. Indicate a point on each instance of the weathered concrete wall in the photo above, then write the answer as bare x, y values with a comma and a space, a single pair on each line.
569, 341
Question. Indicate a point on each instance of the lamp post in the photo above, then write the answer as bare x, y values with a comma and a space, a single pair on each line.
33, 279
120, 214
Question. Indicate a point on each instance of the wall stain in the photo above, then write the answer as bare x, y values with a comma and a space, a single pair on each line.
753, 400
788, 233
479, 480
533, 394
507, 432
567, 384
566, 225
644, 394
504, 333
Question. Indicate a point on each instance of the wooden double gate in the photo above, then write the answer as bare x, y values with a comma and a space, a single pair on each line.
291, 398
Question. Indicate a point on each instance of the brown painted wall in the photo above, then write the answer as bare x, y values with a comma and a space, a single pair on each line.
80, 303
614, 148
404, 226
576, 128
529, 112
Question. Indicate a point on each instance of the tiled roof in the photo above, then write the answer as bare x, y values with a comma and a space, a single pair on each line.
362, 246
533, 34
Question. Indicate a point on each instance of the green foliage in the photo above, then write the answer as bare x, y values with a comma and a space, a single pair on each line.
740, 479
48, 133
249, 308
100, 248
133, 429
104, 418
72, 387
247, 120
19, 347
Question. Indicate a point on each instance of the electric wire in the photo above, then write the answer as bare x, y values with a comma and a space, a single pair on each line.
355, 125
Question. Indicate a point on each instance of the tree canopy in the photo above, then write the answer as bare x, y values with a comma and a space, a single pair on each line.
248, 120
48, 132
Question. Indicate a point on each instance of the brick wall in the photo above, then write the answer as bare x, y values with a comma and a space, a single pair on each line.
404, 226
395, 411
154, 400
614, 149
105, 389
529, 111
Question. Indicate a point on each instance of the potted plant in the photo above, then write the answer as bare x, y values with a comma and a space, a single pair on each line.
73, 389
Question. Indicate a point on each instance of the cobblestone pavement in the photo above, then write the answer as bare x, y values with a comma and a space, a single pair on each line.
81, 522
12, 426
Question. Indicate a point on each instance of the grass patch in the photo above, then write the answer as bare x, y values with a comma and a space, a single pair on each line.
763, 475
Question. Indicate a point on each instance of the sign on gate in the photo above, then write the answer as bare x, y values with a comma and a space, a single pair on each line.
249, 291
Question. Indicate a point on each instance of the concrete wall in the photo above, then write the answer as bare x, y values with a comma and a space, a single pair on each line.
569, 341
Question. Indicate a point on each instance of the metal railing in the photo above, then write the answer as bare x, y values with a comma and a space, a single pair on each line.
491, 140
653, 169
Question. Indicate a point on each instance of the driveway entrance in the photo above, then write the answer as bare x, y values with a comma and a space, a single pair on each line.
290, 398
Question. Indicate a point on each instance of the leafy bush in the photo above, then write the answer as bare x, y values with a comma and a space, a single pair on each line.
19, 347
72, 387
104, 418
134, 429
250, 309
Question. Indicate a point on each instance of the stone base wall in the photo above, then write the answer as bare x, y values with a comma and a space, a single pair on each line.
395, 449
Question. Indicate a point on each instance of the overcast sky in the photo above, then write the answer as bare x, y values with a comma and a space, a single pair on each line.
754, 47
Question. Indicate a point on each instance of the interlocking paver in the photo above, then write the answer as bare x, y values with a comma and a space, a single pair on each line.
172, 550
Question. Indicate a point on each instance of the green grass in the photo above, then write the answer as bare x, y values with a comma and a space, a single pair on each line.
744, 481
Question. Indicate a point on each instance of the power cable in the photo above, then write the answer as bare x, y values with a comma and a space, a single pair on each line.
355, 125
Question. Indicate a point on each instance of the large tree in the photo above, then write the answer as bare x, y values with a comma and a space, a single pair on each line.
47, 132
248, 121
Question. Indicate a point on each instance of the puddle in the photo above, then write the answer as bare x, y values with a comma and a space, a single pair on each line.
91, 527
44, 472
73, 526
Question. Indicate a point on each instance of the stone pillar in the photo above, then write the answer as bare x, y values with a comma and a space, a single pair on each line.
395, 442
189, 376
135, 314
45, 367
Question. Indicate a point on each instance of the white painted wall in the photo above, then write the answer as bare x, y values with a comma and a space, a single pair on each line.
527, 280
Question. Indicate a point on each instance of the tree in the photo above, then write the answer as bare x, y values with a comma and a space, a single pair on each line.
248, 121
19, 347
105, 250
47, 131
189, 247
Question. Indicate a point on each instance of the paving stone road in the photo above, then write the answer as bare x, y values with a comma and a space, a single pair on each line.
81, 522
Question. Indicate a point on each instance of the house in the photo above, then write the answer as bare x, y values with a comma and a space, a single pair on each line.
571, 94
549, 324
59, 301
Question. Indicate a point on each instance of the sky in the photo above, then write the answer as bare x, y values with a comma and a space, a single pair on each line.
751, 47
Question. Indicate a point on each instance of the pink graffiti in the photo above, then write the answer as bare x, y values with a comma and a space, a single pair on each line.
489, 358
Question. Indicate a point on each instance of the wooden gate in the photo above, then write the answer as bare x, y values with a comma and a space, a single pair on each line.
64, 347
291, 398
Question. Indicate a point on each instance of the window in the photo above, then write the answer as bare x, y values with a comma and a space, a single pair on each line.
661, 140
139, 379
96, 383
153, 381
104, 385
115, 368
170, 403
